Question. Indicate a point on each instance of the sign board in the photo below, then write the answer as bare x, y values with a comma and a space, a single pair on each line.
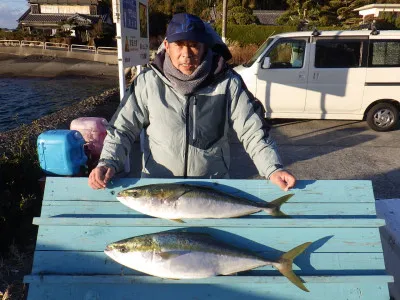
131, 18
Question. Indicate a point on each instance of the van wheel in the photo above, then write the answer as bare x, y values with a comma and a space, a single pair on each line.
383, 117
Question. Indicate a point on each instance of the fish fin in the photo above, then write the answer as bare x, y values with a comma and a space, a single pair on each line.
232, 273
284, 265
275, 206
177, 220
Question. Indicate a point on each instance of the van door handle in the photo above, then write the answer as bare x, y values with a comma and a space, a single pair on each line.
302, 76
316, 76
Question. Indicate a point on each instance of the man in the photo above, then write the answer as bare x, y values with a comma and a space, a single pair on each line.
186, 101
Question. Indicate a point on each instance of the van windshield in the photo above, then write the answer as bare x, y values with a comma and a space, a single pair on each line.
258, 53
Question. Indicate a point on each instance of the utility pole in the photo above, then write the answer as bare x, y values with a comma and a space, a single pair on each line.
224, 11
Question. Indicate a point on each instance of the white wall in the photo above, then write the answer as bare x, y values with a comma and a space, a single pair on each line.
64, 9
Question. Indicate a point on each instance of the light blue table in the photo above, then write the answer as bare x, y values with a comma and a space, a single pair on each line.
345, 260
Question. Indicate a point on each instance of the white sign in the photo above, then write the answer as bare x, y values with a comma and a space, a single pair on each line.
132, 21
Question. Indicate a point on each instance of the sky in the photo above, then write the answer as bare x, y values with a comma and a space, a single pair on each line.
10, 11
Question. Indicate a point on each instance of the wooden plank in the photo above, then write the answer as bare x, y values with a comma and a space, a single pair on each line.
113, 208
249, 291
88, 263
231, 280
233, 222
95, 238
60, 188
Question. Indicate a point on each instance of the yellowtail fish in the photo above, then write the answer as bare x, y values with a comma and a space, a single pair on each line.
175, 201
190, 255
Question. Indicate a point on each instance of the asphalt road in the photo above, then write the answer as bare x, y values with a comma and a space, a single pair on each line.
326, 150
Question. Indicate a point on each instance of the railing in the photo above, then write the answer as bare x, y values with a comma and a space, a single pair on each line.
32, 44
10, 43
56, 46
107, 50
59, 46
84, 48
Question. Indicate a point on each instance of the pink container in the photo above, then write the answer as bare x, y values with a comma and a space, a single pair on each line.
93, 130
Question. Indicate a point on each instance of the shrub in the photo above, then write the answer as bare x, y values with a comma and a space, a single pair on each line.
240, 55
253, 34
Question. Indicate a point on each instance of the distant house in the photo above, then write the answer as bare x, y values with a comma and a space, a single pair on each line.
375, 9
50, 16
268, 17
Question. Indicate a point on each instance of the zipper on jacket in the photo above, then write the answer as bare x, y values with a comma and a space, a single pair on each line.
194, 118
187, 112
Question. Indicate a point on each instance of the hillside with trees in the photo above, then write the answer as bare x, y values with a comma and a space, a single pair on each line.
333, 13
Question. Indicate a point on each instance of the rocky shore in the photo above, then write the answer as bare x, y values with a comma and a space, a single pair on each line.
103, 105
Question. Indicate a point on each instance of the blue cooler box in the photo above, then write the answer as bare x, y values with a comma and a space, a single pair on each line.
61, 152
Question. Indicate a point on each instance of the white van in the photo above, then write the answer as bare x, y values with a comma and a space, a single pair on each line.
352, 75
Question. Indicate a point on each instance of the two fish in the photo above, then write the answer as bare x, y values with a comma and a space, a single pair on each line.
184, 255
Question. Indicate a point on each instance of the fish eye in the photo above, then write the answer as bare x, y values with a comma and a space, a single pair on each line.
134, 193
123, 249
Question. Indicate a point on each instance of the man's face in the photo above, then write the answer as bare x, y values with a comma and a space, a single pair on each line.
186, 56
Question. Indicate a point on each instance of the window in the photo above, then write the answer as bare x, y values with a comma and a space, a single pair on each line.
35, 9
258, 52
384, 53
338, 54
287, 54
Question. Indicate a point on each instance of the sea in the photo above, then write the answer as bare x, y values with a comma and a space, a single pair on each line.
23, 100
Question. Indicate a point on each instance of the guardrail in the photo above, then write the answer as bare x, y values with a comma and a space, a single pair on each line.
10, 43
107, 50
83, 48
59, 46
53, 46
32, 44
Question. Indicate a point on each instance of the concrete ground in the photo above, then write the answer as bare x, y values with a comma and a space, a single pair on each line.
325, 149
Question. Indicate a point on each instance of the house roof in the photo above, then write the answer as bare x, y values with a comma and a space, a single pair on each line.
70, 2
268, 17
381, 6
57, 18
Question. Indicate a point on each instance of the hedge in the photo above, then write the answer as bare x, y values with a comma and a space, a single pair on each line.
257, 34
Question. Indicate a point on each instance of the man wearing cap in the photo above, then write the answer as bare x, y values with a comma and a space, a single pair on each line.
186, 102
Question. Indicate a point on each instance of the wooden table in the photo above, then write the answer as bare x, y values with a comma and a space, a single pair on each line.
345, 260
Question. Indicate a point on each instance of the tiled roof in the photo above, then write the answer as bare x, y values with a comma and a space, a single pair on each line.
70, 2
24, 15
56, 18
268, 17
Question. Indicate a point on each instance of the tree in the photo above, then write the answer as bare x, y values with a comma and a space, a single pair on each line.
238, 14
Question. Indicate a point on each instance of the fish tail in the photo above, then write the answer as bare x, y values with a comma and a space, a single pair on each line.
274, 207
285, 264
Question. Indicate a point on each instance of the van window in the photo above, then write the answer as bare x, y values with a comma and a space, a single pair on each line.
384, 53
258, 52
338, 54
287, 54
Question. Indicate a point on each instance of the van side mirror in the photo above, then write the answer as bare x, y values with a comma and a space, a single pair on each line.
266, 63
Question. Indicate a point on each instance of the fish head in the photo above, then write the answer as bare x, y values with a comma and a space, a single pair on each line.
144, 194
135, 253
141, 243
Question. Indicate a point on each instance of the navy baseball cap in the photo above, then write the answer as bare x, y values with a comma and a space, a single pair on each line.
188, 27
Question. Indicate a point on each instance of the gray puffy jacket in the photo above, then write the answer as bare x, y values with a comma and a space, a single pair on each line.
187, 136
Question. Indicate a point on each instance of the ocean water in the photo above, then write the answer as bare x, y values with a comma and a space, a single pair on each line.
23, 100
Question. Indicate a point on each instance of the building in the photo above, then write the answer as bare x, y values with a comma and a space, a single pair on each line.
268, 17
375, 9
74, 16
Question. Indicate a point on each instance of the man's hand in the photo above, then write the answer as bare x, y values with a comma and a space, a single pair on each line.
283, 179
99, 177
